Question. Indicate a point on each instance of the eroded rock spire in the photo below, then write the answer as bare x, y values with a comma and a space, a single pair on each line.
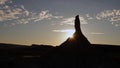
78, 33
78, 40
77, 23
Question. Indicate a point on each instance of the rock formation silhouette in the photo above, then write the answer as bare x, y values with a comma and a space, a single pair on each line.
78, 40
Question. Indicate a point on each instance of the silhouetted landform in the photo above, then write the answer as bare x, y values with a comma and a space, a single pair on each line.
78, 40
76, 52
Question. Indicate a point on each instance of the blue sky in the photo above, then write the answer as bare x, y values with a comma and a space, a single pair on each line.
51, 21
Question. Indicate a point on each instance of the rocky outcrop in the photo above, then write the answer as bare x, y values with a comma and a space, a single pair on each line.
78, 40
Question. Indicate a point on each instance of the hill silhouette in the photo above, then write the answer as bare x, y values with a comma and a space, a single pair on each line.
75, 52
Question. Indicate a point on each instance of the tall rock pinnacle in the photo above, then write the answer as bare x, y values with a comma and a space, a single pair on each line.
77, 23
78, 32
78, 40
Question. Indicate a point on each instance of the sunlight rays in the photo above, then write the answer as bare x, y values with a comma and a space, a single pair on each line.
69, 33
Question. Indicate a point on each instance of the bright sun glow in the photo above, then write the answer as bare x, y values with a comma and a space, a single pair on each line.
69, 33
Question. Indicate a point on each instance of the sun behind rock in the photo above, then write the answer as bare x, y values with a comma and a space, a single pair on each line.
69, 34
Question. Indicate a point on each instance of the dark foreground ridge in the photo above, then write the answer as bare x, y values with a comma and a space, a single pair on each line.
76, 52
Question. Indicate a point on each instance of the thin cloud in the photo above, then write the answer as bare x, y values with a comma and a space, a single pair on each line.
83, 20
12, 12
23, 21
70, 20
45, 15
15, 14
5, 1
88, 17
115, 19
97, 33
2, 1
109, 15
66, 30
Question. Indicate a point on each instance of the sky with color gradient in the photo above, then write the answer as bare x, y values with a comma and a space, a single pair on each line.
52, 21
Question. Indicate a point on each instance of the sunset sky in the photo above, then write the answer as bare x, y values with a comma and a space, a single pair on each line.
52, 21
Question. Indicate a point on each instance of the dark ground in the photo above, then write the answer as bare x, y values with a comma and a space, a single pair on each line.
45, 56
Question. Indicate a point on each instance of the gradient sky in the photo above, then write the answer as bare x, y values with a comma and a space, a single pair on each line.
51, 21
